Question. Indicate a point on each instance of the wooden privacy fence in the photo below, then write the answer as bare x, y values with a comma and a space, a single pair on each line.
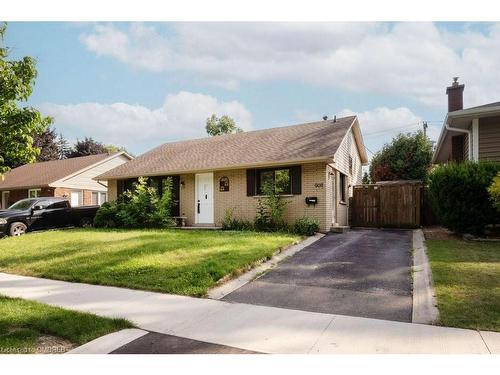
394, 204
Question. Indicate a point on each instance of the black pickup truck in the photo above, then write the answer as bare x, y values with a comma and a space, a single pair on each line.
43, 213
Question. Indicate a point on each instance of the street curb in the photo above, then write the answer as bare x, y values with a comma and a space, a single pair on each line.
106, 344
424, 296
223, 290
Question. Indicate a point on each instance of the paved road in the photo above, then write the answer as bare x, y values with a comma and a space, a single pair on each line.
158, 343
359, 273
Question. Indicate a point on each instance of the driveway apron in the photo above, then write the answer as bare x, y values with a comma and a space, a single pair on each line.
362, 273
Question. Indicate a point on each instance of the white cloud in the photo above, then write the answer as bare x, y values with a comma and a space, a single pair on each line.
381, 124
413, 59
136, 127
383, 120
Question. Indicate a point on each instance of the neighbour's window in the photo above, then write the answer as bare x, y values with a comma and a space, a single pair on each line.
350, 164
34, 193
279, 178
95, 198
342, 187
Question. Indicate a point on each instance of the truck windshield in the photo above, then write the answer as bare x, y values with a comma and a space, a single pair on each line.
23, 204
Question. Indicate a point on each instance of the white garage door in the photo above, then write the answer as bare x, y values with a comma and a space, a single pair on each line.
76, 198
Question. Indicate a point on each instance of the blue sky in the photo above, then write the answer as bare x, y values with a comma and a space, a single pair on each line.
143, 84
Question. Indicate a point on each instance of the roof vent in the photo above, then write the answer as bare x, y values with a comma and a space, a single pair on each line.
335, 118
325, 118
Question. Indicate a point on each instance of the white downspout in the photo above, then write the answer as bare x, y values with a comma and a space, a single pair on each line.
469, 137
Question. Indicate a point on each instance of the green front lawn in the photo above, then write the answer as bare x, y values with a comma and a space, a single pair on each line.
185, 262
23, 323
467, 280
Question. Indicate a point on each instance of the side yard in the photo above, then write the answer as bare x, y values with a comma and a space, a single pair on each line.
169, 261
28, 327
467, 281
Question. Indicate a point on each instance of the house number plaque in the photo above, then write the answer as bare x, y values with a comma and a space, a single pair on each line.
224, 184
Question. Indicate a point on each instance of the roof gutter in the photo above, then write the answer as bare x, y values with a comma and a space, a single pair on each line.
469, 136
443, 135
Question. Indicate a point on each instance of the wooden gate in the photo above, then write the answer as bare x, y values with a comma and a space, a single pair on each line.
394, 204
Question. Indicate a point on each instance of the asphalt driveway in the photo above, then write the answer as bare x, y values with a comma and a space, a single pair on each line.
359, 273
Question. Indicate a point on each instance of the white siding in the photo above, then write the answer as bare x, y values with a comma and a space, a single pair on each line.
347, 148
84, 180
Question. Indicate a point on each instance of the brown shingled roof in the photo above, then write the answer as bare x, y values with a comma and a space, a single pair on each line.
311, 141
44, 173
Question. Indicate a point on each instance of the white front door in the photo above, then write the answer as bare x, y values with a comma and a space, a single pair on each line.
204, 198
75, 198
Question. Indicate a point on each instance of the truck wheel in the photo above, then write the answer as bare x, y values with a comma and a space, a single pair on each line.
86, 222
17, 229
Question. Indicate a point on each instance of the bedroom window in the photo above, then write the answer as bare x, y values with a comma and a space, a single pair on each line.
279, 177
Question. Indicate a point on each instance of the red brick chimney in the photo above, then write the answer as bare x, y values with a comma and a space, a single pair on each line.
455, 94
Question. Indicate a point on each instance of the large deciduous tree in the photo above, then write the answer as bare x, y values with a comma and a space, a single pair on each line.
218, 126
87, 147
48, 144
407, 157
18, 124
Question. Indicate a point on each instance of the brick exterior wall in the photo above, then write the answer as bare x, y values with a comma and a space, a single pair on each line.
314, 177
18, 194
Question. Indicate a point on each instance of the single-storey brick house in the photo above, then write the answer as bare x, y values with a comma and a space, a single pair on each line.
468, 134
214, 174
71, 178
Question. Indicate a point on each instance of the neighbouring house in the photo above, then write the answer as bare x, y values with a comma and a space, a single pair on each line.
468, 134
211, 175
70, 178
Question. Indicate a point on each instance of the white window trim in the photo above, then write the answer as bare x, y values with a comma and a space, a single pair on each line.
35, 190
475, 139
4, 193
99, 197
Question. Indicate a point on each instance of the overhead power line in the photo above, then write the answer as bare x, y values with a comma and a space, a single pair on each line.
392, 129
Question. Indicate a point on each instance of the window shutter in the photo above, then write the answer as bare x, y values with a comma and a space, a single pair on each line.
250, 182
296, 177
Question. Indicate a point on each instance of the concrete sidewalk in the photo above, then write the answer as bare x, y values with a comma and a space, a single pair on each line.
254, 328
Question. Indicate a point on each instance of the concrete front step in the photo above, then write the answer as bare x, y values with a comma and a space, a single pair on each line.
340, 229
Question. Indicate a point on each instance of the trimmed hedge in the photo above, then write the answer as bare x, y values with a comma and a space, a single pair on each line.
460, 198
306, 226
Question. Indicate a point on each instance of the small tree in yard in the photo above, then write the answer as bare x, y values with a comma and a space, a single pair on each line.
459, 195
224, 125
407, 157
271, 206
366, 179
17, 125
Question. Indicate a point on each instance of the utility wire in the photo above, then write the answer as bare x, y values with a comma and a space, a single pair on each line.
392, 129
